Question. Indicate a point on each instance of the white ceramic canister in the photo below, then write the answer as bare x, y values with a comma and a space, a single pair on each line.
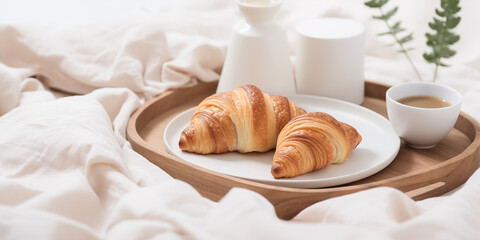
330, 56
258, 53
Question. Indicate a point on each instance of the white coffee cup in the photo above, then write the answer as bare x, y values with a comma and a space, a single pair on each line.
422, 127
330, 56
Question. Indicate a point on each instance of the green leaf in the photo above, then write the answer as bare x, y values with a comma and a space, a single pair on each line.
449, 38
390, 13
384, 33
452, 22
396, 28
440, 13
443, 64
445, 52
382, 2
376, 3
405, 50
395, 31
407, 38
387, 15
429, 57
372, 4
455, 10
437, 24
431, 39
453, 39
381, 17
449, 5
396, 25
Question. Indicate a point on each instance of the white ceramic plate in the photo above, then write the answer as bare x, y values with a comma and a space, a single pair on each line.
380, 145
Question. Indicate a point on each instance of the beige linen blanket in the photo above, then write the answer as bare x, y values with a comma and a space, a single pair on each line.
70, 77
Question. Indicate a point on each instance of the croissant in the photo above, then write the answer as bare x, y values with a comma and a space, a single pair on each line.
312, 141
244, 120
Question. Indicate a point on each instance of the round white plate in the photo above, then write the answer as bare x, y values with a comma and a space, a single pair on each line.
380, 145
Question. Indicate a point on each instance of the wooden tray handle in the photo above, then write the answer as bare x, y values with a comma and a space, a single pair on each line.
425, 192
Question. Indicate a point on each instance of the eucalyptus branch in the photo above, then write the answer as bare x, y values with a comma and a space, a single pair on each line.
394, 30
443, 37
439, 42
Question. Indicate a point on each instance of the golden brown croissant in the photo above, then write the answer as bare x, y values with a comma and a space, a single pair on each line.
310, 142
245, 120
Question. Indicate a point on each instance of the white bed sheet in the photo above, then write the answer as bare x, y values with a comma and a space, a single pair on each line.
71, 75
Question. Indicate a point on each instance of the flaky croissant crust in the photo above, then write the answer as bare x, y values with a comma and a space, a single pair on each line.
312, 141
245, 120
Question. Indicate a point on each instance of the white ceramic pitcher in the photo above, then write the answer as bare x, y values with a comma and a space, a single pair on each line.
258, 53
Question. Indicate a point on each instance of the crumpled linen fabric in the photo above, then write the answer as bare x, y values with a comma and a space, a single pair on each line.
67, 90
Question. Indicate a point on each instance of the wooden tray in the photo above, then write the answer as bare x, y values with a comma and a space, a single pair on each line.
418, 173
